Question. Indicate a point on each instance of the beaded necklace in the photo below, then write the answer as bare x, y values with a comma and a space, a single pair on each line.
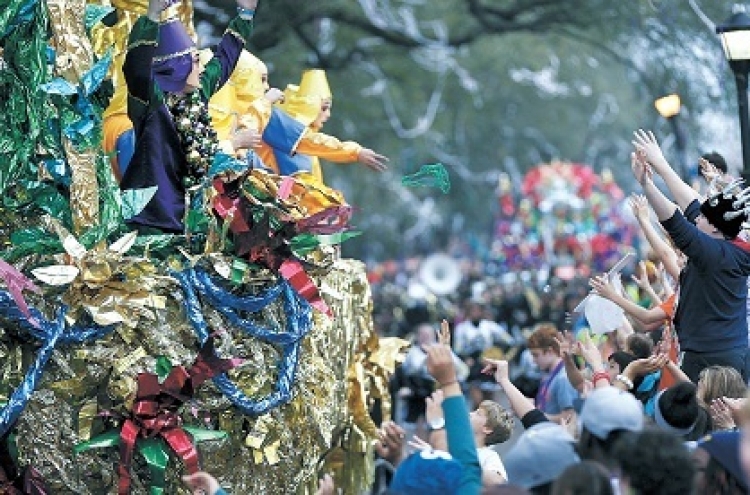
198, 138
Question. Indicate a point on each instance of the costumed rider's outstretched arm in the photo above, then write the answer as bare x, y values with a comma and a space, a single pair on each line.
227, 52
683, 194
329, 148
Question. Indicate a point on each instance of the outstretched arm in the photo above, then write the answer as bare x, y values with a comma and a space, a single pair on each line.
681, 191
666, 253
520, 404
603, 287
662, 206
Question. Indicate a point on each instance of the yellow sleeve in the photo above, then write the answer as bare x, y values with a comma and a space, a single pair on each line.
257, 115
328, 148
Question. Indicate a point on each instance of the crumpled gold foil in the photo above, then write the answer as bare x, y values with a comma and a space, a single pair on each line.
107, 284
84, 188
282, 452
74, 52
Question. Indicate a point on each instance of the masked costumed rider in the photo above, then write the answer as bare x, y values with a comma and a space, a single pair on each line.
167, 102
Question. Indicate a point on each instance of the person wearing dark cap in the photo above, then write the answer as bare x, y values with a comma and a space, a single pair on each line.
711, 314
678, 412
168, 92
717, 461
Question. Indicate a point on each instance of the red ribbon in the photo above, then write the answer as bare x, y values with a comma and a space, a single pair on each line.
155, 411
292, 270
261, 244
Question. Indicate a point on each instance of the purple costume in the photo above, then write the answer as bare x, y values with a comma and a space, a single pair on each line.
159, 59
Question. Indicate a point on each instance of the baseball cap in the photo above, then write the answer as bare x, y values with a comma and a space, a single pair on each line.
608, 409
541, 453
724, 446
428, 471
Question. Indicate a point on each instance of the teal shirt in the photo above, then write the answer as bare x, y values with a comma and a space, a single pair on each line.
461, 444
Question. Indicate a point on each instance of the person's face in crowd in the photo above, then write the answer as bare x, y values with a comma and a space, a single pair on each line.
544, 358
193, 81
613, 369
476, 313
478, 420
324, 115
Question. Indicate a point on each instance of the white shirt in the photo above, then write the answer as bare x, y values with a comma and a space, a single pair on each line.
469, 339
489, 459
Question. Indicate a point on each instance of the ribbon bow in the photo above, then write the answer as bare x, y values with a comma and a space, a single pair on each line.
155, 414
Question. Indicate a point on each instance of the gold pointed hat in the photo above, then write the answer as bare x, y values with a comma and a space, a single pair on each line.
315, 83
304, 108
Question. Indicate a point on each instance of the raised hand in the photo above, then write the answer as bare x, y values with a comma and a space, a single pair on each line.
640, 207
246, 139
721, 414
602, 286
390, 444
642, 367
372, 160
434, 406
646, 143
641, 169
273, 95
498, 367
567, 343
444, 335
590, 352
641, 276
708, 170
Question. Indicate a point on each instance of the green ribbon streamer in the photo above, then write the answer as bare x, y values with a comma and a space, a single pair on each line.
303, 244
163, 367
154, 450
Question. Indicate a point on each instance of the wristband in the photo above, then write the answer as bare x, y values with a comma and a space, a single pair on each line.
245, 13
625, 381
600, 375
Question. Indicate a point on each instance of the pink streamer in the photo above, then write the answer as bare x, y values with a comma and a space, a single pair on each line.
17, 282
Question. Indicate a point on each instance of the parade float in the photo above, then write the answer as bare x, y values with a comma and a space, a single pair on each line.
129, 360
566, 215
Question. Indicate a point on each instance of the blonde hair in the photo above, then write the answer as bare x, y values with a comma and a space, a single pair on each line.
721, 381
499, 421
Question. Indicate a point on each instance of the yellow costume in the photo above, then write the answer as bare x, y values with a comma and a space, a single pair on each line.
304, 103
240, 103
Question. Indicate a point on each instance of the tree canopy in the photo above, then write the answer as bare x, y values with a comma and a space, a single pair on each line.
492, 86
